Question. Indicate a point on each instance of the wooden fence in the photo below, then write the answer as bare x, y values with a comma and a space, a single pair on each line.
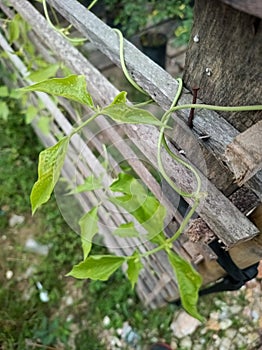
215, 157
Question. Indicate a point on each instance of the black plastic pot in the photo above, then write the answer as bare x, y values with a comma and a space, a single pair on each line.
154, 46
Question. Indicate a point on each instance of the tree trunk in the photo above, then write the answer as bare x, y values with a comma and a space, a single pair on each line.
224, 59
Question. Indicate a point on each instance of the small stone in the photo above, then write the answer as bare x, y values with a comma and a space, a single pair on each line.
173, 345
186, 343
224, 324
230, 333
9, 274
184, 325
242, 330
4, 237
16, 220
197, 347
119, 331
240, 340
235, 309
259, 275
106, 321
255, 315
252, 338
44, 296
213, 325
225, 344
69, 301
35, 247
260, 322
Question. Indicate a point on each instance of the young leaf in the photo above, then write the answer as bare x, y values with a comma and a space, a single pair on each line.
88, 226
189, 282
4, 110
120, 98
72, 87
50, 163
91, 183
97, 267
44, 73
134, 268
127, 184
4, 91
13, 29
43, 124
30, 114
122, 113
143, 206
126, 230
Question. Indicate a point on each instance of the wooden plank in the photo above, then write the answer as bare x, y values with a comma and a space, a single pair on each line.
220, 214
253, 7
225, 36
244, 154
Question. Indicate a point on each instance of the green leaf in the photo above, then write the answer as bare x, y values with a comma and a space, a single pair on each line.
97, 267
16, 94
4, 91
88, 226
126, 230
4, 110
30, 114
91, 183
134, 266
120, 98
141, 204
44, 73
159, 239
72, 87
189, 283
13, 29
122, 113
127, 184
50, 163
44, 124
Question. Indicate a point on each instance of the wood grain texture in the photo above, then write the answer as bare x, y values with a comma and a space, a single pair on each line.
252, 7
244, 154
226, 61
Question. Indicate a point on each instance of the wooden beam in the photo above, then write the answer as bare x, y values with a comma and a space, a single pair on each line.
244, 154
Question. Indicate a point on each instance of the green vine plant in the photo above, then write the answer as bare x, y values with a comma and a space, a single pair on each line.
134, 198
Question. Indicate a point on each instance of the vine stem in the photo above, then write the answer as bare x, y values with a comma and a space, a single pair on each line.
218, 108
123, 64
162, 141
75, 40
77, 129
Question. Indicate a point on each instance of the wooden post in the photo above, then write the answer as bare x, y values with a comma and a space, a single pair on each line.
224, 59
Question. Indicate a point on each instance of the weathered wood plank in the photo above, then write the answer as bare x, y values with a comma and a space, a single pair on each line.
220, 214
226, 36
244, 154
253, 7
